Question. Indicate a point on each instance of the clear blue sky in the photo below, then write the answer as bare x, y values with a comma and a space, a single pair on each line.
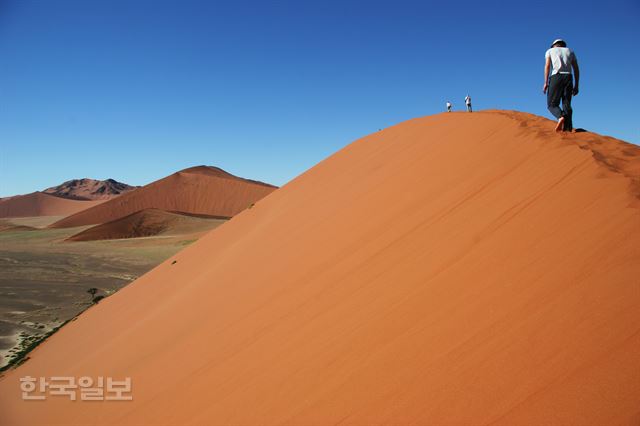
138, 89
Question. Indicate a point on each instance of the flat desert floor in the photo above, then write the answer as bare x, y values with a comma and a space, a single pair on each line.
44, 280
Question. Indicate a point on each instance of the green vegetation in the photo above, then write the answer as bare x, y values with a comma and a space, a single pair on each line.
27, 344
92, 291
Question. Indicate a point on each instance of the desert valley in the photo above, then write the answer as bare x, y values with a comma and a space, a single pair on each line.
67, 247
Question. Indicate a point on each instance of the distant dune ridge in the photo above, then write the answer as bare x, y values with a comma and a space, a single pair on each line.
90, 189
455, 269
201, 190
67, 198
41, 204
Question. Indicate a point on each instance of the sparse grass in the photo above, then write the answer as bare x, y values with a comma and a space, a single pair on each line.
30, 342
27, 344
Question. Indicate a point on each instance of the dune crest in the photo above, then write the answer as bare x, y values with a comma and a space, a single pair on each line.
42, 204
453, 269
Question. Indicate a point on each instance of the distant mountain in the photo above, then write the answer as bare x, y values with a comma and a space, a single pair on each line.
90, 189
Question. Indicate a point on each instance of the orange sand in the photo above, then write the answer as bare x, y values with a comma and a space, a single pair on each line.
41, 204
145, 223
198, 190
459, 269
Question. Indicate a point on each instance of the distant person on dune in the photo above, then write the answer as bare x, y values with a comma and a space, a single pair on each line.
467, 101
449, 106
559, 87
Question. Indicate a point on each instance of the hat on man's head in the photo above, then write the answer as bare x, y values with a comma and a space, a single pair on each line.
558, 40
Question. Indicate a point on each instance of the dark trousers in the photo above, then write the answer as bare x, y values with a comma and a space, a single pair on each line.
561, 89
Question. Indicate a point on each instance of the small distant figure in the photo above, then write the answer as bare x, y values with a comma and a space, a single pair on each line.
449, 106
560, 87
467, 101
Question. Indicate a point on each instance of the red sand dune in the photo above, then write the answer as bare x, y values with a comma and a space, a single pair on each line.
198, 190
459, 269
90, 189
41, 204
146, 223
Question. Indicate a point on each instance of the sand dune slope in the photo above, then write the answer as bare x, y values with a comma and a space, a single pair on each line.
41, 204
459, 269
198, 190
146, 223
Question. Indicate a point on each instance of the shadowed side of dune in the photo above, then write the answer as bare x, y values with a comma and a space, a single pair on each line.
147, 223
451, 270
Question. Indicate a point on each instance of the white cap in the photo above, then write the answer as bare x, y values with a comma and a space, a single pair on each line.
558, 40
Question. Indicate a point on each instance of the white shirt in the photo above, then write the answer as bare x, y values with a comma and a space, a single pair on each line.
562, 59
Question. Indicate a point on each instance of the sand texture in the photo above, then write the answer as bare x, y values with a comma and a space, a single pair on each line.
458, 269
41, 204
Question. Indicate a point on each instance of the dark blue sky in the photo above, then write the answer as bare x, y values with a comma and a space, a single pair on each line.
135, 90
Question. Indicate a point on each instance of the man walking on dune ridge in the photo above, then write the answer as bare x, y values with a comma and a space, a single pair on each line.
560, 87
